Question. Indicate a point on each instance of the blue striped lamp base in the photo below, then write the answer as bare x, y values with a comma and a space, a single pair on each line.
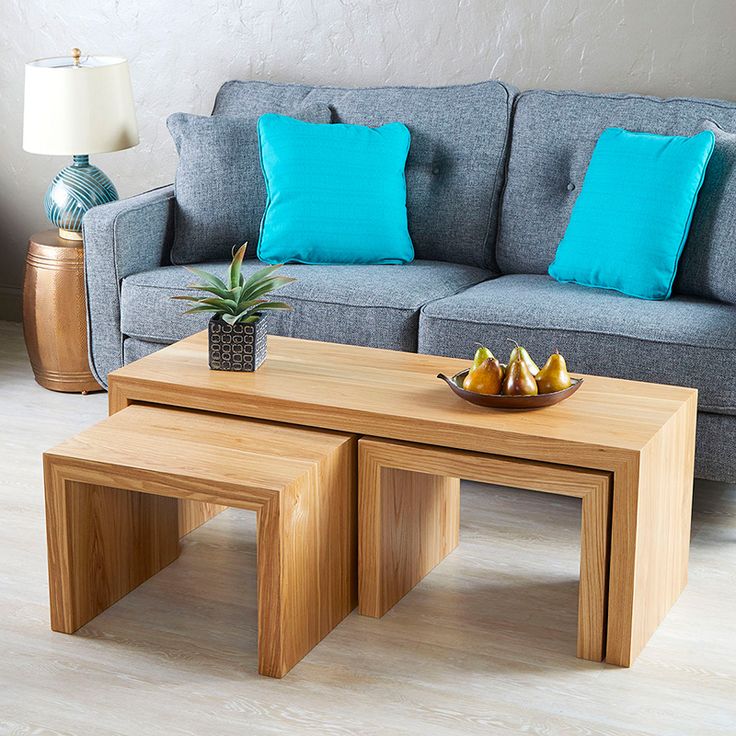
73, 191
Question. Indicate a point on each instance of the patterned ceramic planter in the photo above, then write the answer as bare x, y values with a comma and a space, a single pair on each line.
238, 347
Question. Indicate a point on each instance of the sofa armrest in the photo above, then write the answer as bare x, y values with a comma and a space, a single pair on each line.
120, 238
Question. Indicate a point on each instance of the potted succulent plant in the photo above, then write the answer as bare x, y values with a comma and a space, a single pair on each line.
238, 327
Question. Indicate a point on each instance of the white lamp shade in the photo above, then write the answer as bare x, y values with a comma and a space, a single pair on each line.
82, 109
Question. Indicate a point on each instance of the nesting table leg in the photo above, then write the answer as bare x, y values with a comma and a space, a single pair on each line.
409, 523
650, 544
102, 543
307, 562
595, 544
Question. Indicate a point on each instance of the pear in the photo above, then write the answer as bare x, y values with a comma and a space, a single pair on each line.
485, 379
481, 354
553, 376
522, 352
519, 380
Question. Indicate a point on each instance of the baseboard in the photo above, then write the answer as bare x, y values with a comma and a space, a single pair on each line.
11, 303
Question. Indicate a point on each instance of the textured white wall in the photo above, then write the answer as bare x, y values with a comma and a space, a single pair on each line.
180, 52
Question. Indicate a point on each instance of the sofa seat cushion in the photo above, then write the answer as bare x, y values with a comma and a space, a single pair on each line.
684, 341
359, 305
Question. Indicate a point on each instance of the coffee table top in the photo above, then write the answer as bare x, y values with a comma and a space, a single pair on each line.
396, 395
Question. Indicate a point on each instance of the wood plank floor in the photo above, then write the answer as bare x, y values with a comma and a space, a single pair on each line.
485, 645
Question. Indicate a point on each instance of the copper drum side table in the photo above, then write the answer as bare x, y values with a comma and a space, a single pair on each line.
54, 313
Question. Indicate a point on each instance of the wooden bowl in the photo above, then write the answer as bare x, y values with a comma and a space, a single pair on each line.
501, 401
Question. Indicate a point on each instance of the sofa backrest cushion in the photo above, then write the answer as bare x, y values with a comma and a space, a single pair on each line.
220, 192
455, 165
708, 263
552, 138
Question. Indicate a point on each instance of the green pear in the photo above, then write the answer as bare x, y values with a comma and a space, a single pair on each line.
481, 354
520, 351
553, 376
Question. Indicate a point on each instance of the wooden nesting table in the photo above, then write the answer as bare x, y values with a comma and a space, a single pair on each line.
626, 448
112, 517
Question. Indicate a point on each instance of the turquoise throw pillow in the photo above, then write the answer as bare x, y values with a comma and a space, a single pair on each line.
631, 219
335, 193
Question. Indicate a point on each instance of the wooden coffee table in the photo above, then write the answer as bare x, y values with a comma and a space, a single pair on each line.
640, 436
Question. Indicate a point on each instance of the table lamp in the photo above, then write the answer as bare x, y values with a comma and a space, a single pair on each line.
75, 106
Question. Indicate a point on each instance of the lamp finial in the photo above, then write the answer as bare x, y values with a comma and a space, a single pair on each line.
76, 54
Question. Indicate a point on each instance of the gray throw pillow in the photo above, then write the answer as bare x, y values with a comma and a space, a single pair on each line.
220, 193
708, 262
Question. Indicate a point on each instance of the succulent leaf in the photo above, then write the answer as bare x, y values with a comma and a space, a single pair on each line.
236, 266
194, 310
227, 304
224, 293
210, 278
260, 288
275, 305
241, 299
248, 304
262, 273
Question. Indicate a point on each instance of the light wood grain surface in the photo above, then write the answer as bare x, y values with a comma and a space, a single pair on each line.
409, 520
192, 514
630, 429
652, 507
112, 519
453, 657
408, 523
102, 543
396, 395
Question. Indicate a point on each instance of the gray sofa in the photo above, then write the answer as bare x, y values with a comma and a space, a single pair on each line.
492, 176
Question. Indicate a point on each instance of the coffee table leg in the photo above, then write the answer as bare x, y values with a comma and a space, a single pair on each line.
307, 562
409, 522
102, 543
650, 540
